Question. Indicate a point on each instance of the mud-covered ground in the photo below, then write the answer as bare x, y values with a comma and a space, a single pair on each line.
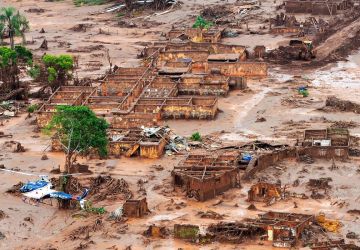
275, 99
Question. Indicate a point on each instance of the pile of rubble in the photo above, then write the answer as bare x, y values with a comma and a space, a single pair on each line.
106, 187
337, 104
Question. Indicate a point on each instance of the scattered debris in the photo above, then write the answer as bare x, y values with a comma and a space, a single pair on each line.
81, 27
342, 105
44, 45
44, 157
14, 146
352, 235
15, 190
156, 231
251, 207
266, 192
210, 215
321, 183
106, 187
3, 215
82, 232
260, 119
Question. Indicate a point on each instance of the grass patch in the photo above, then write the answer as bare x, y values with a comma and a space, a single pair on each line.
79, 3
32, 108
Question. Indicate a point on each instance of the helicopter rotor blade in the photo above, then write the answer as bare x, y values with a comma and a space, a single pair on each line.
19, 172
39, 175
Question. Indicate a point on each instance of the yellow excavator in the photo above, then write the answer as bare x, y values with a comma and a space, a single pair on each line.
302, 49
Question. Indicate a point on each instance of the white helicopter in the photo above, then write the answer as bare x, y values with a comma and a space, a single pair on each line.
43, 189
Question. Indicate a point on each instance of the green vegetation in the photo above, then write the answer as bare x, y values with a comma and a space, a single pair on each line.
24, 54
120, 14
201, 23
59, 69
78, 130
34, 72
13, 23
79, 3
10, 56
188, 233
196, 137
88, 207
32, 108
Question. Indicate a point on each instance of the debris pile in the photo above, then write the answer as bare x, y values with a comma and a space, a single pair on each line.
8, 108
106, 187
3, 215
234, 232
157, 232
210, 215
266, 192
15, 190
81, 27
341, 105
82, 232
14, 146
307, 159
322, 183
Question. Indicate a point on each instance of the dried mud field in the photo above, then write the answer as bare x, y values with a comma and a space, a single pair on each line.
269, 109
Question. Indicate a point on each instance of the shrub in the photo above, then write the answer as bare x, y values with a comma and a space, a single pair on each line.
32, 108
196, 136
202, 23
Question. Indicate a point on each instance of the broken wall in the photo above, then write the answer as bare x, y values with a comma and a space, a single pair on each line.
263, 161
233, 69
135, 208
326, 152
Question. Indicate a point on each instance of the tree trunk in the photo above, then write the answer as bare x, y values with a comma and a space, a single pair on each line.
68, 162
12, 42
65, 180
64, 186
23, 39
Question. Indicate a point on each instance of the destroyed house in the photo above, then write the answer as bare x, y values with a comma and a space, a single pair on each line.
283, 229
175, 68
211, 48
179, 107
217, 85
316, 7
148, 142
211, 35
232, 69
135, 208
264, 192
64, 95
134, 97
203, 177
326, 143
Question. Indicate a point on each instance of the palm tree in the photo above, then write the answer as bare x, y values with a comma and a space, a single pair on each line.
15, 23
